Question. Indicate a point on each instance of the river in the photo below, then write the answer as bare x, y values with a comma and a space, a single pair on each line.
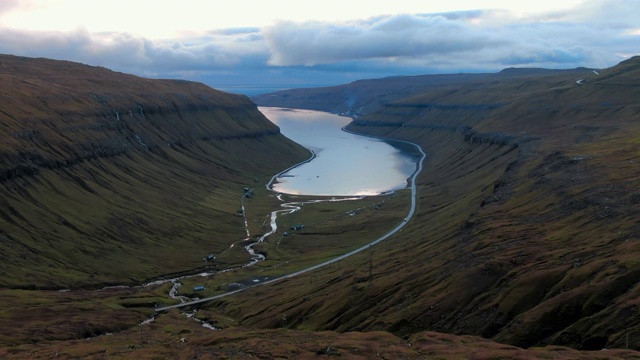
345, 164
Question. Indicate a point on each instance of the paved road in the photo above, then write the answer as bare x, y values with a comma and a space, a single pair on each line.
412, 211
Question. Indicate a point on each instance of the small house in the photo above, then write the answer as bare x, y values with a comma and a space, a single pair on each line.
198, 288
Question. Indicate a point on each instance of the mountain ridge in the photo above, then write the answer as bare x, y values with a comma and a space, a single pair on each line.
526, 211
81, 137
525, 232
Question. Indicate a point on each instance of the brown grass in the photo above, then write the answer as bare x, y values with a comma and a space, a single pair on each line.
527, 226
528, 236
174, 336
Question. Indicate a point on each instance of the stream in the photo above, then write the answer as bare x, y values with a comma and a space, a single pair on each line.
342, 164
288, 208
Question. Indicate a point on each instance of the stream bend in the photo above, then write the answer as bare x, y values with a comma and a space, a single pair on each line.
294, 206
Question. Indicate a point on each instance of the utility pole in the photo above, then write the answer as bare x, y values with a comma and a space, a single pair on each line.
627, 345
353, 291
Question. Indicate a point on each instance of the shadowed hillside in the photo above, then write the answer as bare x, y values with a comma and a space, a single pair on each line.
527, 230
367, 96
105, 176
163, 339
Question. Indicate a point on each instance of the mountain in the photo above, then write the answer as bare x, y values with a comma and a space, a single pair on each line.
525, 235
104, 175
366, 96
527, 230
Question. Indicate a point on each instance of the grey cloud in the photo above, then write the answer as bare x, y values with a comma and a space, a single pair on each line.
396, 36
555, 55
321, 52
586, 36
38, 43
125, 52
461, 15
235, 31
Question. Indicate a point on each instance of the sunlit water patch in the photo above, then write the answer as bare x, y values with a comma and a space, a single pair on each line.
345, 163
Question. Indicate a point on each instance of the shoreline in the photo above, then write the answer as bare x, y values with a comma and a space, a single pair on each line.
411, 180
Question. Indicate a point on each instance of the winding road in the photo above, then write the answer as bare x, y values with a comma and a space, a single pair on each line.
328, 262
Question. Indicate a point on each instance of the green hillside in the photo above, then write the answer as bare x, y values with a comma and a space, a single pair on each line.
109, 178
524, 245
527, 230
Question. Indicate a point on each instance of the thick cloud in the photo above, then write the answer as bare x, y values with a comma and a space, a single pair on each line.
488, 38
402, 36
125, 52
599, 33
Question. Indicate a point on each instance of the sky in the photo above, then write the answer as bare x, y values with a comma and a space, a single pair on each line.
241, 45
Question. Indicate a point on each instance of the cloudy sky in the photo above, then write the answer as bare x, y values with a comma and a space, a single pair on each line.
283, 43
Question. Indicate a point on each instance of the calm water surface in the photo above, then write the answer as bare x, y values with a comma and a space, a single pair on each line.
345, 164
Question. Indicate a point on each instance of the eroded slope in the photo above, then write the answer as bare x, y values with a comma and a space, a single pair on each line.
527, 230
110, 178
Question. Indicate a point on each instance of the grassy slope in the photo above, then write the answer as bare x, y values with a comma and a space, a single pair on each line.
106, 175
173, 336
368, 96
436, 274
528, 245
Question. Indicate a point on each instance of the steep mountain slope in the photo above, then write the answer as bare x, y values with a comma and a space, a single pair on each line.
110, 178
527, 229
367, 96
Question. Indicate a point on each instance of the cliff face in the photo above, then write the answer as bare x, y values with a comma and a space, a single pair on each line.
527, 227
103, 174
56, 114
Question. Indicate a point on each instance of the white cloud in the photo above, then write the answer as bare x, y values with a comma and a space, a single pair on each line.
7, 6
587, 36
471, 40
126, 52
402, 36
